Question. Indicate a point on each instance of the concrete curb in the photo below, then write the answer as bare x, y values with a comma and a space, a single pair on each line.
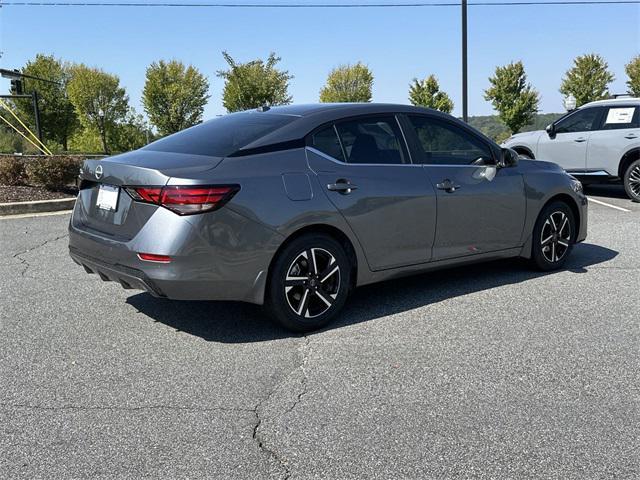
37, 206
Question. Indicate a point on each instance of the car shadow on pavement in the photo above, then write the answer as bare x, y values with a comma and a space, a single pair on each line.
607, 190
234, 322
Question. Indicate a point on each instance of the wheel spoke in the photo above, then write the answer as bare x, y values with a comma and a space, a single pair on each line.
327, 300
564, 224
324, 276
295, 281
553, 252
546, 240
311, 256
304, 303
563, 243
553, 223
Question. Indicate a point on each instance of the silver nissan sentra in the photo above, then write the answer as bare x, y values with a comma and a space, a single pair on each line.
292, 207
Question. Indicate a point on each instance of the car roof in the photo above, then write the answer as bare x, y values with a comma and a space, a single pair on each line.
344, 109
312, 116
613, 101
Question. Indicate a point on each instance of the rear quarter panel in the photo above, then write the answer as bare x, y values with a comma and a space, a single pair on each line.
281, 193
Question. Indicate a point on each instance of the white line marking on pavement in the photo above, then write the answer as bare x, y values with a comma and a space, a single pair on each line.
31, 215
615, 207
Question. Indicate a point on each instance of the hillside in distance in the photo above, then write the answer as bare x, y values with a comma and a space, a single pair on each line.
492, 127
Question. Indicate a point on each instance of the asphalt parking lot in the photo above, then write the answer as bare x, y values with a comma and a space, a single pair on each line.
492, 371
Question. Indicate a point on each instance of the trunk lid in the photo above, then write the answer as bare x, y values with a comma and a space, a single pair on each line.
145, 167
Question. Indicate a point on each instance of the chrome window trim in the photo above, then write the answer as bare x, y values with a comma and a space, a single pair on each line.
335, 160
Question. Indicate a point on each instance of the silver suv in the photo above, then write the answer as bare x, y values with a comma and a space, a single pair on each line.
598, 142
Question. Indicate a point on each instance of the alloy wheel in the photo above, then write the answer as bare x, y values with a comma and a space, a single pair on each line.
555, 237
312, 282
634, 181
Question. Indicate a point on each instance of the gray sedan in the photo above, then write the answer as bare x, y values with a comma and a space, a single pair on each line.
293, 207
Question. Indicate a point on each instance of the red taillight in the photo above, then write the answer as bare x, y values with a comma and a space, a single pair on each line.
152, 257
186, 200
151, 195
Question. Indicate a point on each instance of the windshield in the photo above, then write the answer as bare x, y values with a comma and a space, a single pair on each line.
222, 136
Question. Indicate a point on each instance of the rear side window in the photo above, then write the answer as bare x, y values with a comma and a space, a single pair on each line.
581, 121
445, 144
222, 136
326, 140
616, 118
372, 140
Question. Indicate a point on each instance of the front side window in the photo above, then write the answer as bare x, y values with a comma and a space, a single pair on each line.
372, 140
616, 118
442, 143
580, 121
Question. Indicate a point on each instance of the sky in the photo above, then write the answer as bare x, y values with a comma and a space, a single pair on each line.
398, 44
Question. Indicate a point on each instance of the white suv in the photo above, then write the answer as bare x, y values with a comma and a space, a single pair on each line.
598, 142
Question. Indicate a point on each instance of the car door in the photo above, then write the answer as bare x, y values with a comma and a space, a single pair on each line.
567, 144
481, 208
365, 170
619, 131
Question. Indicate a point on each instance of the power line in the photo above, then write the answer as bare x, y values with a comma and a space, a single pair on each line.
317, 5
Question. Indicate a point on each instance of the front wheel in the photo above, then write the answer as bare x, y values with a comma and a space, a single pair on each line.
631, 181
308, 283
553, 236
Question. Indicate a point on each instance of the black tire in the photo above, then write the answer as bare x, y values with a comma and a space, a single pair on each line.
294, 280
525, 155
553, 236
631, 181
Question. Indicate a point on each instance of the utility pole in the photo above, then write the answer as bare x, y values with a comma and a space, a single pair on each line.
465, 111
36, 114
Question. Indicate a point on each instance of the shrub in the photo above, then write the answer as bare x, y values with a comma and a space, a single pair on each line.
12, 171
53, 172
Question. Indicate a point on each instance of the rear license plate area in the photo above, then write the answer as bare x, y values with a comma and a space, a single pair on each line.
107, 199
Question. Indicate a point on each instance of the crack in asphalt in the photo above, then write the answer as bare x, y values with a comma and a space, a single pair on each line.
258, 436
24, 262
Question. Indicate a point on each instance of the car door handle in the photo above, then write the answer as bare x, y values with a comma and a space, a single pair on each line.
448, 186
342, 186
631, 136
580, 140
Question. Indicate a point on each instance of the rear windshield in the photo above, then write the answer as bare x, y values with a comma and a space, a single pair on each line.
221, 136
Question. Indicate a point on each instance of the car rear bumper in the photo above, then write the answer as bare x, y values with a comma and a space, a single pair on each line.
129, 278
209, 260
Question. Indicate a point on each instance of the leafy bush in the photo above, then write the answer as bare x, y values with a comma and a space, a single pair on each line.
12, 171
53, 172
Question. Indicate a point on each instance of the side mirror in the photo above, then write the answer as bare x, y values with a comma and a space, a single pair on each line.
551, 130
509, 158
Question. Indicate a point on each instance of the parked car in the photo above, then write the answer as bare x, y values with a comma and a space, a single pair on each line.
598, 142
292, 207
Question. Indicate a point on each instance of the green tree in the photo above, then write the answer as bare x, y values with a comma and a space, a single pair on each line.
633, 72
588, 80
174, 97
515, 100
254, 84
348, 83
100, 102
131, 133
426, 93
58, 118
